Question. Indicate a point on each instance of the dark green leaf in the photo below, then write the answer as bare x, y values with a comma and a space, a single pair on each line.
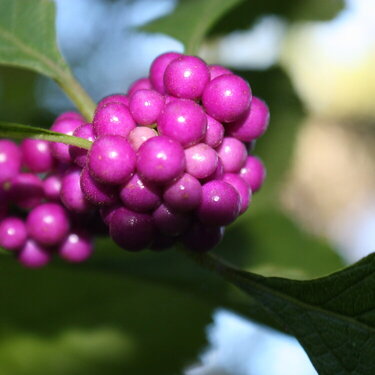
18, 131
191, 21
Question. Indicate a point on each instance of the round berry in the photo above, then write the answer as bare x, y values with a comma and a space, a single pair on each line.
48, 224
140, 84
220, 203
96, 193
116, 98
52, 187
215, 132
232, 153
76, 248
140, 196
242, 188
71, 193
186, 77
217, 174
36, 155
253, 172
217, 70
131, 230
227, 97
77, 154
184, 121
140, 135
158, 68
160, 159
113, 119
33, 255
13, 234
252, 124
145, 106
111, 159
183, 194
169, 222
107, 211
201, 160
10, 160
202, 238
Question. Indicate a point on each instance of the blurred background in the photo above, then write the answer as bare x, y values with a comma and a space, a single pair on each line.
313, 62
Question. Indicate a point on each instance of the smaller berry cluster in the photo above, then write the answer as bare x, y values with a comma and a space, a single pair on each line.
169, 162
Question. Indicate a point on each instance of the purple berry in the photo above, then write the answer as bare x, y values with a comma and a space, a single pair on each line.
252, 124
36, 155
183, 194
160, 159
77, 154
217, 70
65, 126
186, 77
131, 230
253, 172
184, 121
113, 119
111, 159
242, 188
140, 196
71, 193
76, 248
140, 84
13, 234
34, 255
232, 153
145, 106
170, 99
10, 160
48, 224
202, 238
158, 68
201, 160
107, 211
96, 193
169, 222
227, 97
116, 98
217, 174
215, 132
52, 187
220, 203
140, 135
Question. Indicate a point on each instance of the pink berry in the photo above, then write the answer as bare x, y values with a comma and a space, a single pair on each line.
227, 97
232, 153
242, 188
186, 77
106, 212
34, 255
201, 160
36, 155
76, 248
13, 234
140, 135
217, 174
184, 121
77, 154
215, 132
10, 160
253, 172
116, 98
217, 70
201, 238
158, 68
140, 84
169, 222
52, 187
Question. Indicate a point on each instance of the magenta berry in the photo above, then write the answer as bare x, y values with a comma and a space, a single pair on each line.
116, 98
186, 77
111, 159
77, 154
113, 119
232, 153
158, 68
184, 121
202, 238
253, 123
217, 174
107, 211
215, 132
145, 106
139, 195
36, 155
140, 84
253, 172
48, 224
131, 230
140, 135
160, 159
227, 97
220, 203
10, 160
170, 222
34, 255
242, 188
13, 234
183, 194
77, 247
217, 70
52, 187
201, 160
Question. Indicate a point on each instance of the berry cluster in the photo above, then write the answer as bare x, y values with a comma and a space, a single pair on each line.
169, 162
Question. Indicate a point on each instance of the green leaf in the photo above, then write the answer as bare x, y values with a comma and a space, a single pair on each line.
28, 40
18, 131
191, 21
332, 317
